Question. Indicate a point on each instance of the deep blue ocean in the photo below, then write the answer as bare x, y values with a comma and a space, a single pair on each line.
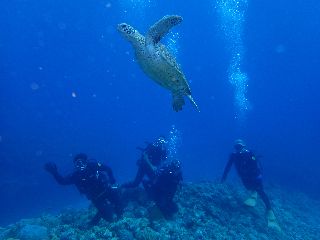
69, 83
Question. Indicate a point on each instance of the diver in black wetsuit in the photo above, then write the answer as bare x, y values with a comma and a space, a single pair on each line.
94, 180
250, 172
163, 176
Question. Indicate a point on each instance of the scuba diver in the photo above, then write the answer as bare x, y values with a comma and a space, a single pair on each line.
250, 172
96, 182
163, 176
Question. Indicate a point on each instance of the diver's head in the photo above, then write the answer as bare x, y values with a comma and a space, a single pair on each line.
160, 143
239, 145
157, 150
80, 161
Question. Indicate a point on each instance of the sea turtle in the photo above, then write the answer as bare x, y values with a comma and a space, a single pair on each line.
156, 61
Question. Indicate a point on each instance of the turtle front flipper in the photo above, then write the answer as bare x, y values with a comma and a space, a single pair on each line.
177, 102
160, 28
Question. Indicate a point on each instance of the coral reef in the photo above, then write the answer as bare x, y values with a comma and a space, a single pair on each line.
206, 211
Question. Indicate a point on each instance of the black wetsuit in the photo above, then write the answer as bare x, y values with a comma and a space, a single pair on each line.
249, 171
161, 183
95, 183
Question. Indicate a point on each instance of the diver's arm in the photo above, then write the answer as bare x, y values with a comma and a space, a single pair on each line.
52, 168
108, 170
255, 165
148, 162
227, 169
67, 180
137, 180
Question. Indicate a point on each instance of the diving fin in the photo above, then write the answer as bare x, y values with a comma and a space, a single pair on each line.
252, 200
272, 221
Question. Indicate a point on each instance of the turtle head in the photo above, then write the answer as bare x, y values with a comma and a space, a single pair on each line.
127, 31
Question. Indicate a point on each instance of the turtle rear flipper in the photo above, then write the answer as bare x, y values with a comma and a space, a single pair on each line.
193, 103
177, 102
160, 28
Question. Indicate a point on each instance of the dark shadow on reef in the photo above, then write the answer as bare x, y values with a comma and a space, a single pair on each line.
206, 211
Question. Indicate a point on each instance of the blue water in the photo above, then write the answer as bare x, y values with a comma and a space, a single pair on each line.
70, 83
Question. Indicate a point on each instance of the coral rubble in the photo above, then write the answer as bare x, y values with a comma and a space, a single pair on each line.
206, 211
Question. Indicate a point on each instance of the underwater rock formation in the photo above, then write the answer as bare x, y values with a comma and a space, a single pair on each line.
206, 211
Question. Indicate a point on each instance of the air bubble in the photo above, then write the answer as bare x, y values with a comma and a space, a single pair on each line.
232, 18
174, 141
